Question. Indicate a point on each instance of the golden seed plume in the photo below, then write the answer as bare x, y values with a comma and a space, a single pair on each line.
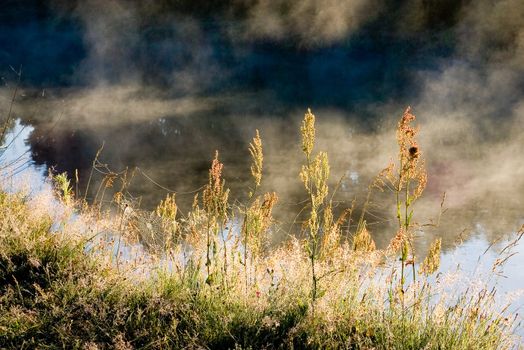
308, 133
363, 242
432, 262
257, 156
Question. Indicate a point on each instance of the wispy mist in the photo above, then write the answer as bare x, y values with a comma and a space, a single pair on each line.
165, 88
311, 22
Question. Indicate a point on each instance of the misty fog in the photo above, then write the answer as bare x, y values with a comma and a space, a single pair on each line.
166, 84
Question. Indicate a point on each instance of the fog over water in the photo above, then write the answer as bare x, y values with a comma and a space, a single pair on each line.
166, 84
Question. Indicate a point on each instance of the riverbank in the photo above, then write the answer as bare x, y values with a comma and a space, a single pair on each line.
75, 276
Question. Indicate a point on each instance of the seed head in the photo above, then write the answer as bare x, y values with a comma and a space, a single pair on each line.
432, 262
257, 156
363, 241
308, 133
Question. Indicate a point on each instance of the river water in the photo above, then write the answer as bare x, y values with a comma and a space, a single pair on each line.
162, 89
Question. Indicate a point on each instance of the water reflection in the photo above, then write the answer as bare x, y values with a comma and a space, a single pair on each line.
163, 91
18, 171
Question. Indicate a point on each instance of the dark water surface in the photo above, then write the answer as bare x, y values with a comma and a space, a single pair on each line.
164, 87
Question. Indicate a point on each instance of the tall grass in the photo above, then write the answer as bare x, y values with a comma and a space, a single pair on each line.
75, 278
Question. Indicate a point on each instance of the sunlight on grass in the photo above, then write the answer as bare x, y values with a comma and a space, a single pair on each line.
93, 276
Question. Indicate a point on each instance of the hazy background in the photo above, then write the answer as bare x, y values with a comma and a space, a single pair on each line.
165, 83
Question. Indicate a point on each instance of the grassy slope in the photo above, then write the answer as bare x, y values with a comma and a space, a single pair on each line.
55, 295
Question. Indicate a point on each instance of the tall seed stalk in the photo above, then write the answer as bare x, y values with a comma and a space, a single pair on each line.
257, 157
258, 213
408, 182
215, 202
314, 175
